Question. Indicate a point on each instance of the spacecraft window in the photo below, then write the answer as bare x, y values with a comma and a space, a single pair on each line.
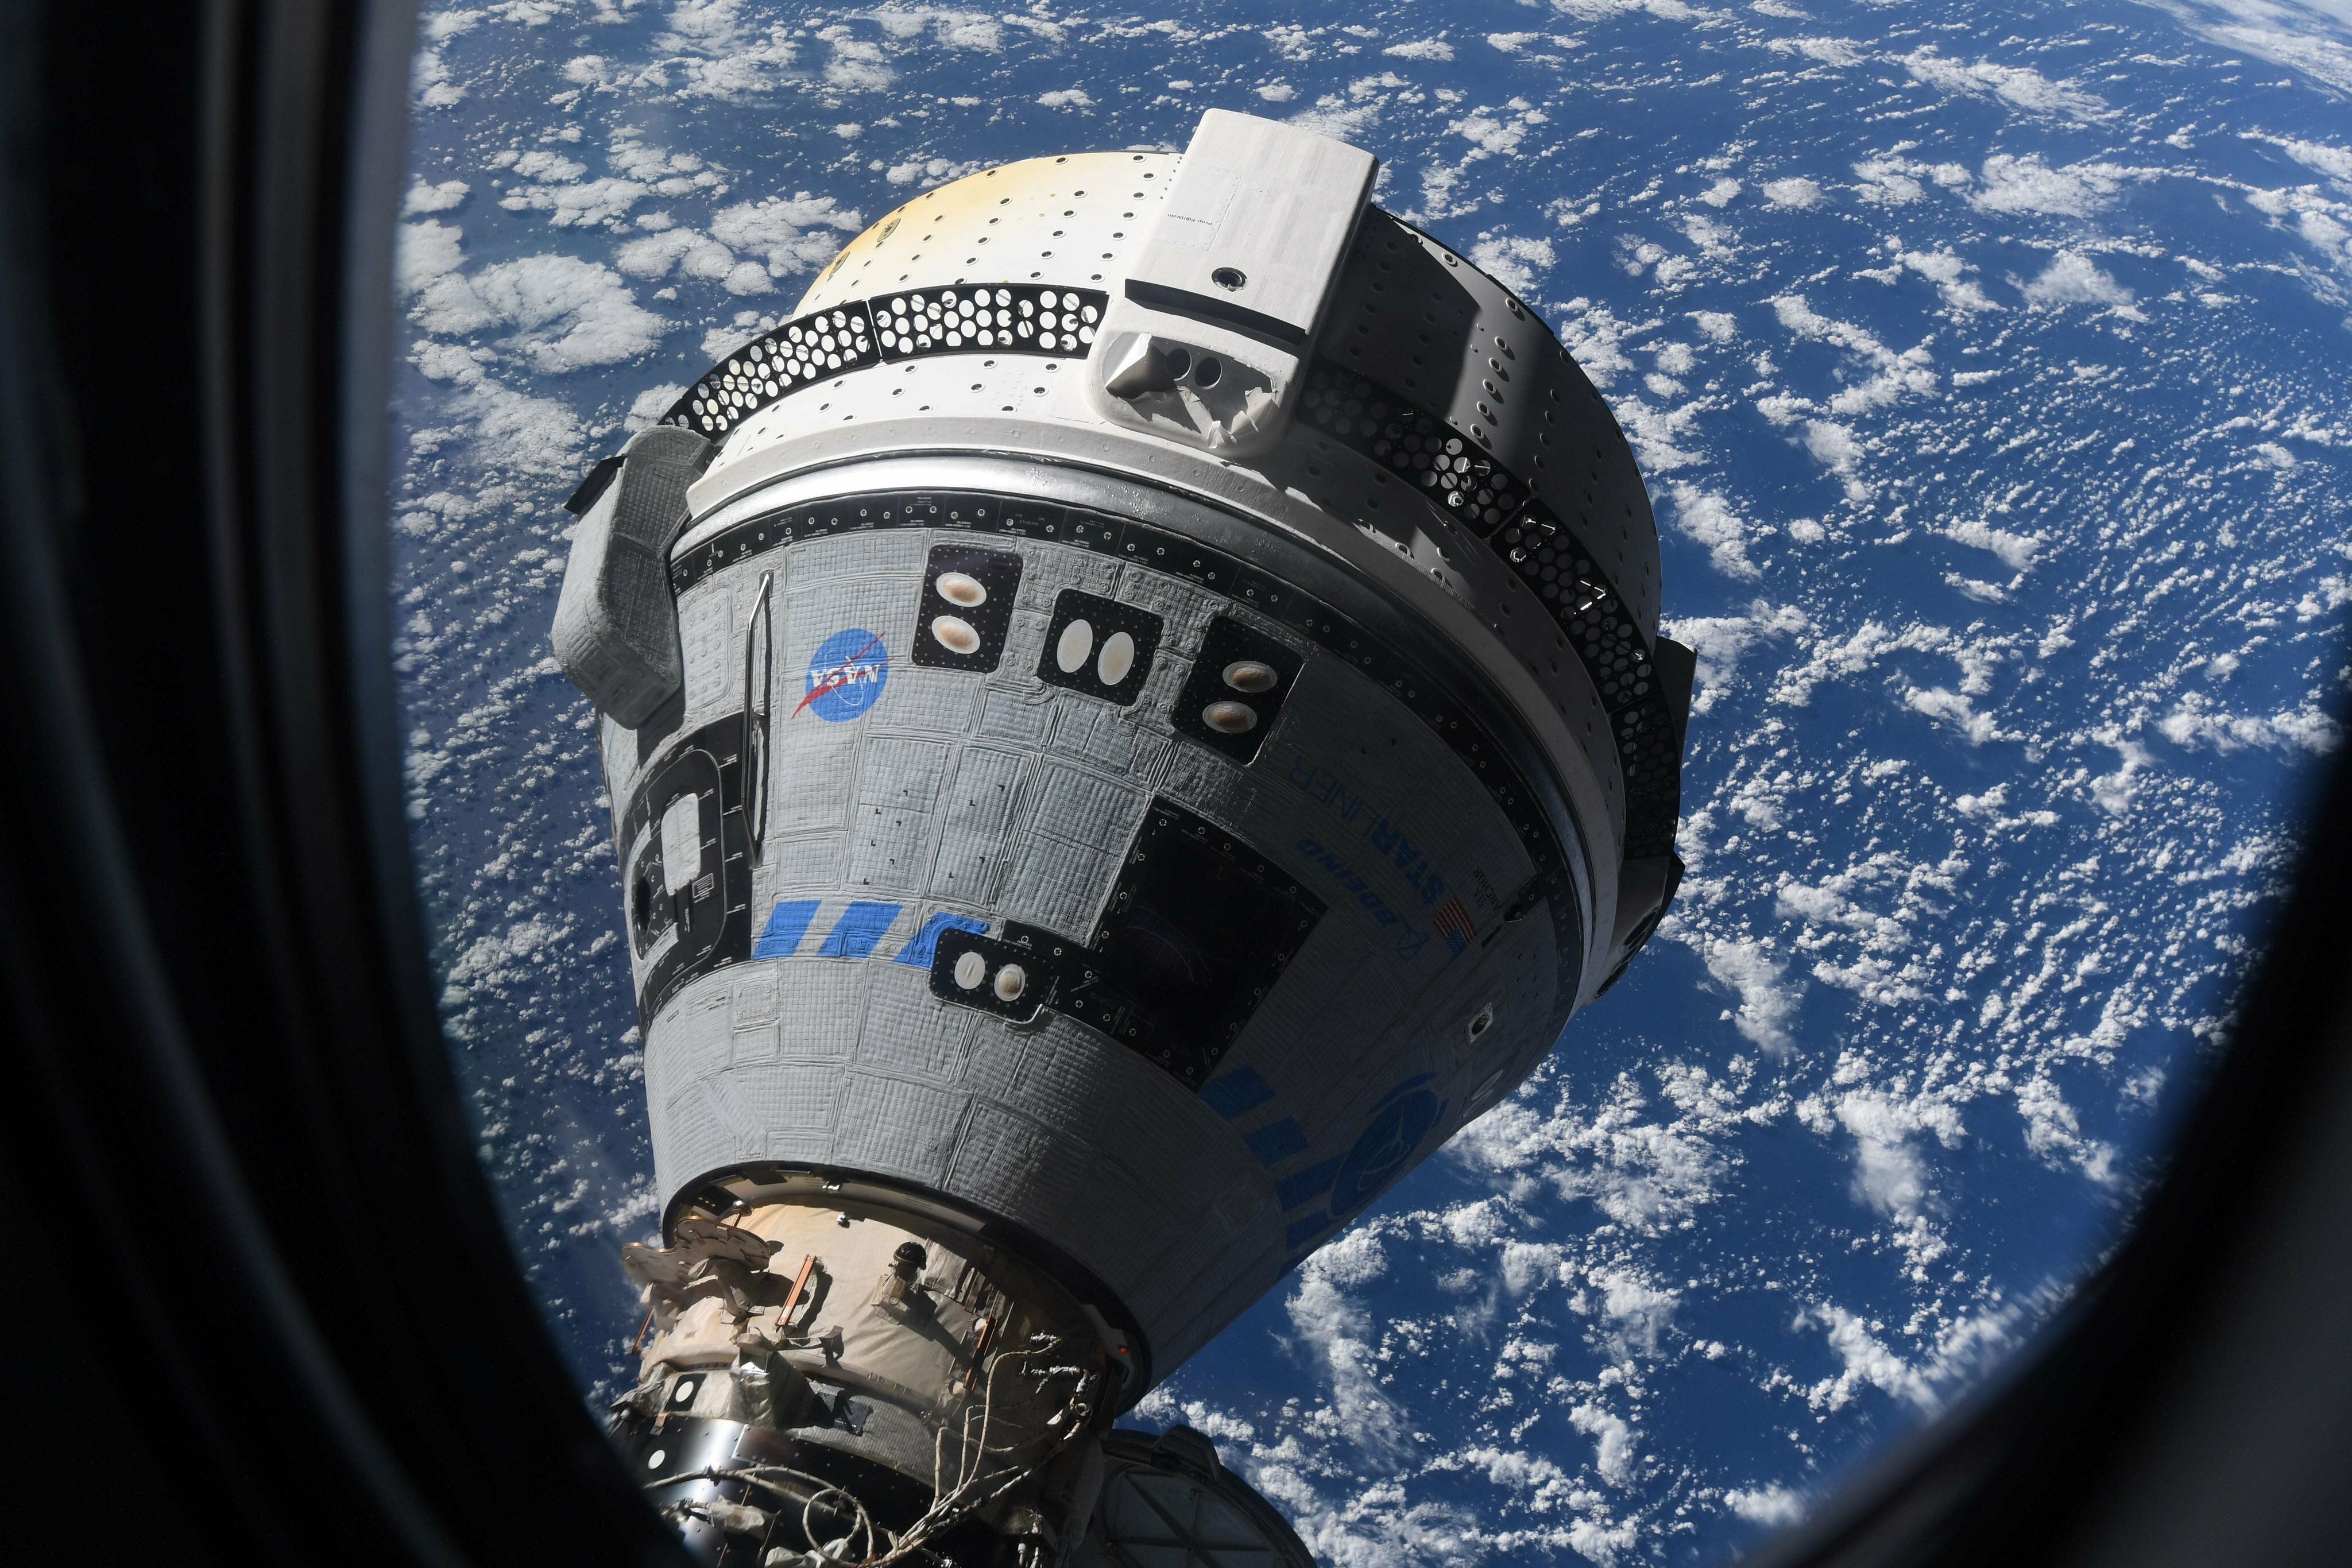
1118, 657
1230, 718
1078, 640
1251, 676
955, 635
577, 257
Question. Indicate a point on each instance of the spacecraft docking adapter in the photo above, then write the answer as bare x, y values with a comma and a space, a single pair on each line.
1130, 718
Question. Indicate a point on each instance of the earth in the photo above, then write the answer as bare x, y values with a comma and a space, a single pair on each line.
1985, 368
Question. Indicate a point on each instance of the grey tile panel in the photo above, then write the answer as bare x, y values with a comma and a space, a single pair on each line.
979, 806
705, 635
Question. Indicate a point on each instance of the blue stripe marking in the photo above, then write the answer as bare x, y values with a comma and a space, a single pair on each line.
1277, 1141
859, 930
1240, 1091
1311, 1183
919, 952
787, 924
1305, 1230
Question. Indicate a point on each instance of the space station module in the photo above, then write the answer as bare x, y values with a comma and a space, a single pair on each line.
1130, 719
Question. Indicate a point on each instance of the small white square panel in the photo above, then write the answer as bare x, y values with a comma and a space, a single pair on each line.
681, 831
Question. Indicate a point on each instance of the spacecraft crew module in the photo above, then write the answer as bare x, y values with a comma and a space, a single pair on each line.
1130, 719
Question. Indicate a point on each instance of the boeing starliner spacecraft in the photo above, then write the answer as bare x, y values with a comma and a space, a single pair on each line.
1130, 718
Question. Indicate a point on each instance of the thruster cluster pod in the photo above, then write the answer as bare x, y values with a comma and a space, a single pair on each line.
1131, 717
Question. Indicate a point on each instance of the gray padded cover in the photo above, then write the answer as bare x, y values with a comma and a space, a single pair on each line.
615, 630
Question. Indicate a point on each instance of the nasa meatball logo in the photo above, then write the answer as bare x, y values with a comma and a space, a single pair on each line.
1399, 1123
846, 675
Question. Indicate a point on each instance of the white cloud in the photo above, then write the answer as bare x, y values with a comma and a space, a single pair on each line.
1066, 98
440, 198
2335, 162
1839, 52
2029, 185
1895, 181
1896, 376
974, 31
663, 173
1773, 1505
2017, 86
1646, 1173
566, 314
2195, 723
425, 252
1834, 444
651, 405
1793, 192
1512, 260
542, 164
2053, 1131
1421, 49
1718, 641
1956, 710
2114, 792
1888, 1173
1708, 520
720, 342
1340, 1332
1948, 272
931, 171
1612, 1455
855, 64
1637, 1311
1498, 133
1291, 41
2073, 279
790, 236
2016, 550
1868, 1363
557, 190
2284, 34
654, 255
1745, 968
534, 436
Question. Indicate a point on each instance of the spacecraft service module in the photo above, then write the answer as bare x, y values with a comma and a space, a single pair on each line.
1130, 719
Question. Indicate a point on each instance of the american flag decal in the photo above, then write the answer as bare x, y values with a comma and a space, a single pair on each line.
1453, 922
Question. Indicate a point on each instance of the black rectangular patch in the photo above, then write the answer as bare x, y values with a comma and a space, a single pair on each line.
1199, 928
711, 911
1237, 689
1082, 647
967, 607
